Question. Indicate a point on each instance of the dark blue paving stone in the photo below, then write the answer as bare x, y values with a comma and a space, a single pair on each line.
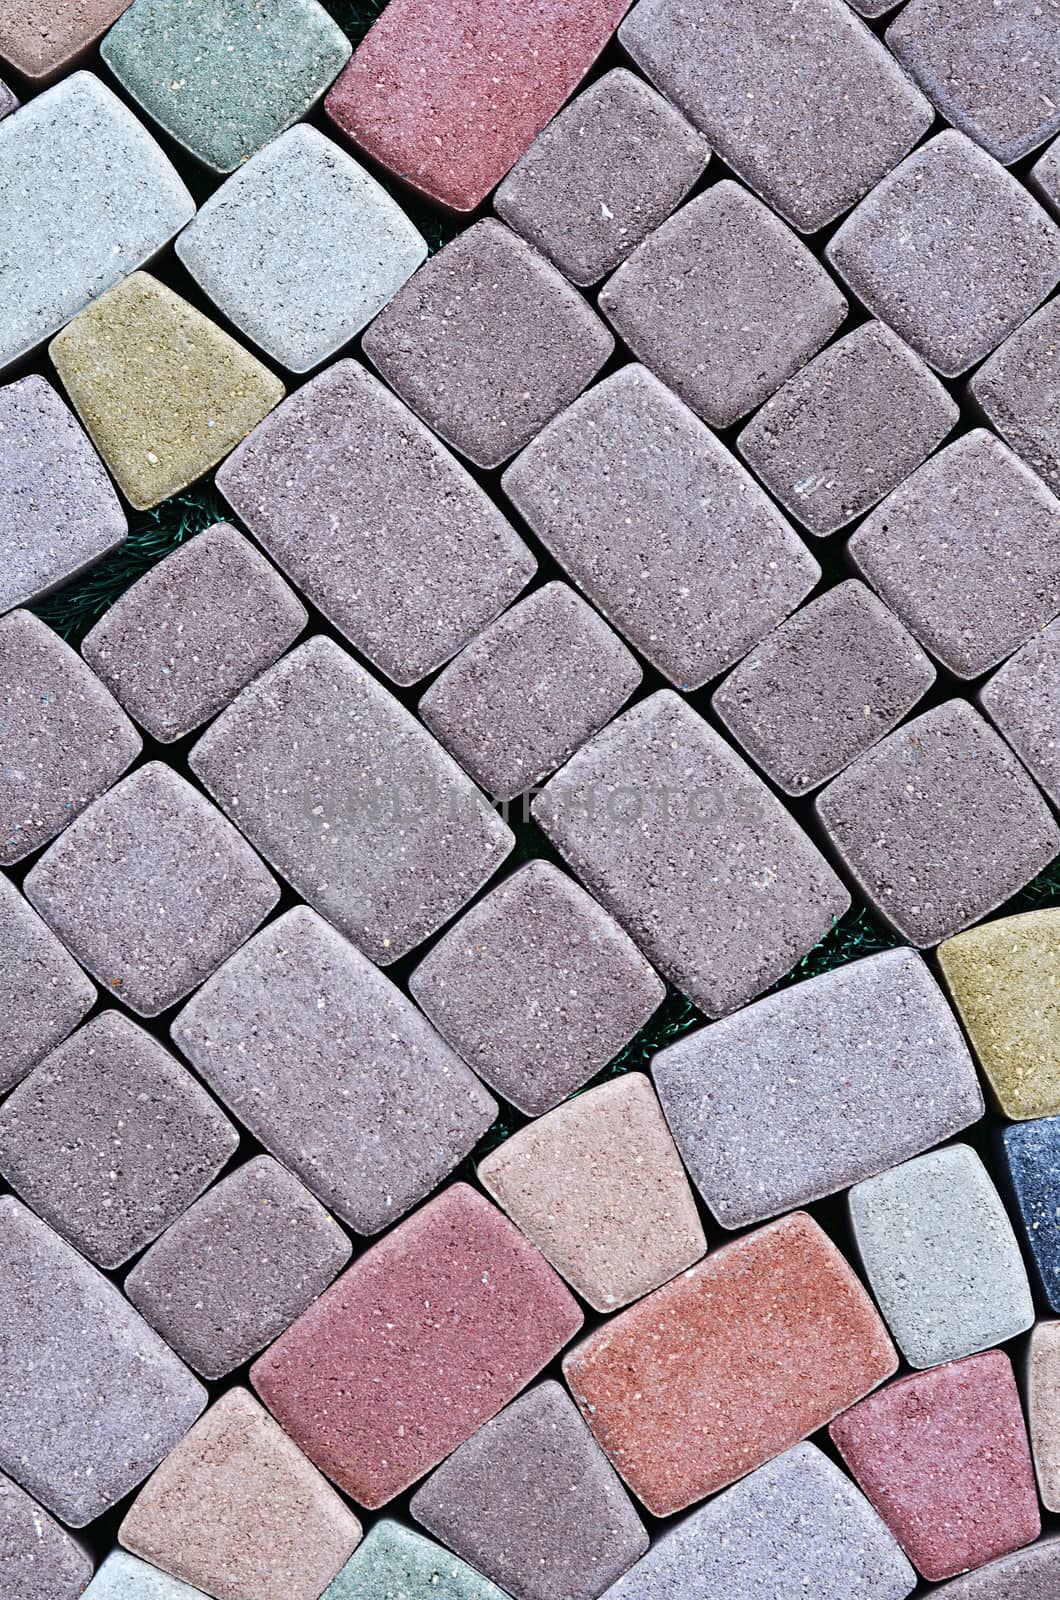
1032, 1151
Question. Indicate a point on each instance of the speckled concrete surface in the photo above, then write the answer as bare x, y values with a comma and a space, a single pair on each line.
38, 1558
8, 100
1022, 700
123, 1577
1042, 1379
43, 992
1031, 1153
41, 38
394, 1563
1016, 389
1044, 177
1032, 1574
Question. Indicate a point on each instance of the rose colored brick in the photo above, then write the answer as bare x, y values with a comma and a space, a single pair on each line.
41, 38
1031, 1574
399, 1564
43, 992
449, 107
38, 1559
1022, 700
943, 1456
1043, 1409
1016, 389
1032, 1161
422, 1340
730, 1364
123, 1577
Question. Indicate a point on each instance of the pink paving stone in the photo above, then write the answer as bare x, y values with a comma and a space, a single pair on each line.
449, 102
943, 1457
428, 1335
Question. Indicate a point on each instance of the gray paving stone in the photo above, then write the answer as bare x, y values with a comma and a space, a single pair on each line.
822, 688
536, 987
818, 1087
409, 566
602, 175
1031, 1574
43, 992
938, 824
110, 1139
487, 342
38, 1559
352, 800
179, 645
8, 100
1017, 388
151, 889
804, 105
87, 196
950, 251
334, 1070
123, 1577
529, 690
848, 428
722, 566
59, 513
1022, 700
723, 303
691, 853
77, 1351
967, 552
300, 248
1044, 177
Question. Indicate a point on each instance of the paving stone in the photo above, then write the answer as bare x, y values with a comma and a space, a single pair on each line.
1043, 1409
690, 852
63, 738
43, 992
822, 688
41, 38
164, 393
1032, 1161
179, 645
443, 1321
848, 428
534, 1503
1044, 177
796, 1526
967, 552
87, 197
732, 1363
412, 566
487, 342
343, 791
938, 824
38, 1558
529, 690
394, 1563
815, 1088
334, 1070
536, 987
238, 1511
1031, 1574
1004, 979
58, 510
988, 71
950, 251
723, 303
599, 1187
122, 1577
943, 1456
1022, 700
1017, 386
8, 100
448, 106
300, 248
223, 77
602, 175
725, 567
151, 889
76, 1350
805, 106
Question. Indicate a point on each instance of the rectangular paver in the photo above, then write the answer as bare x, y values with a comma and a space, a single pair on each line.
1043, 1409
123, 1577
1016, 388
1031, 1152
1022, 700
43, 992
38, 1558
393, 1560
1030, 1574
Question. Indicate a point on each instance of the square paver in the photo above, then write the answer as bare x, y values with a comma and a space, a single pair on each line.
950, 251
411, 563
238, 1511
1022, 700
164, 393
38, 1559
822, 688
1043, 1409
64, 739
721, 567
487, 342
334, 1070
151, 889
796, 1526
43, 992
41, 38
449, 106
532, 687
536, 987
394, 1561
59, 513
123, 1577
602, 175
351, 799
848, 428
597, 1184
943, 1456
723, 303
805, 106
1032, 1162
732, 1363
967, 552
532, 1501
1017, 388
76, 1350
87, 197
938, 824
691, 853
223, 77
179, 645
300, 248
1030, 1574
819, 1086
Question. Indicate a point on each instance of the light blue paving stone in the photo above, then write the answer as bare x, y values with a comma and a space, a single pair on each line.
393, 1563
123, 1577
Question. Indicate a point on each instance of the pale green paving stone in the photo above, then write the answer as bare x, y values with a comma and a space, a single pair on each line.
123, 1577
393, 1563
